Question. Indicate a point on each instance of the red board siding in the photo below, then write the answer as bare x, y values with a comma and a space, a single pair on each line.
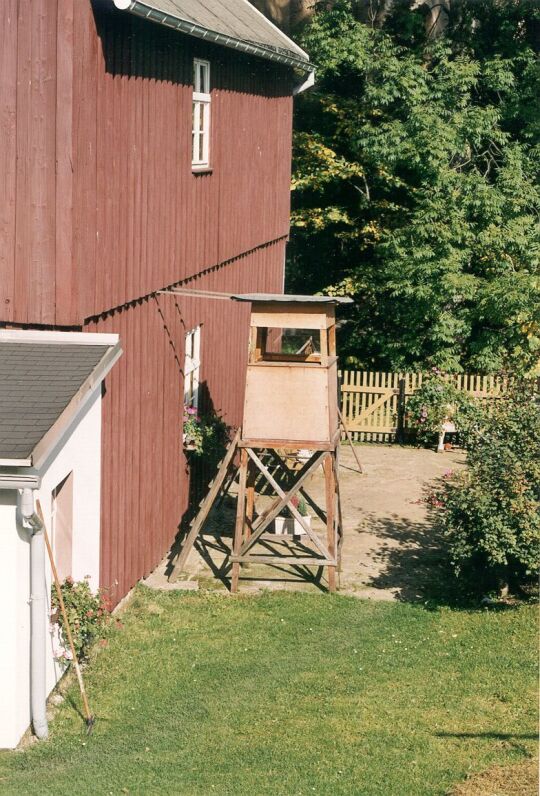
99, 209
145, 482
98, 202
158, 222
8, 154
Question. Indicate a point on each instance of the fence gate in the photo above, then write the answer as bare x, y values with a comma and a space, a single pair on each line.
374, 404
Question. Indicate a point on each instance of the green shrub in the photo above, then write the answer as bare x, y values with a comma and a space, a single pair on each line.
88, 615
490, 513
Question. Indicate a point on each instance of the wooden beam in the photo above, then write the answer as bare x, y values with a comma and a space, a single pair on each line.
310, 561
264, 520
292, 508
330, 489
204, 511
240, 519
350, 440
250, 498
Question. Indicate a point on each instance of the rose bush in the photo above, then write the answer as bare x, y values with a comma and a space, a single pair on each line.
88, 614
436, 401
490, 513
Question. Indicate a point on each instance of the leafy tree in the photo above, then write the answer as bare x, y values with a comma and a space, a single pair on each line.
414, 185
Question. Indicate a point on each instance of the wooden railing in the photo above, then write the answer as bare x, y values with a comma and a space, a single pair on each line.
374, 404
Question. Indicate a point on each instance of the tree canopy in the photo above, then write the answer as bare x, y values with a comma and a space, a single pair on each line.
415, 185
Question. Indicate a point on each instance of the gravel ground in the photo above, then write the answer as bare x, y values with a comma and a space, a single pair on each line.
390, 551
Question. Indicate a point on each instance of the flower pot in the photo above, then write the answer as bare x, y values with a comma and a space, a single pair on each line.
290, 525
298, 529
188, 444
448, 427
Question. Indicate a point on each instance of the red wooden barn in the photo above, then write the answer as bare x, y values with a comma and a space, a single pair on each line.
145, 145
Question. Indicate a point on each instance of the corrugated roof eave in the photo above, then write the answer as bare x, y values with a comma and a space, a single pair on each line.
294, 57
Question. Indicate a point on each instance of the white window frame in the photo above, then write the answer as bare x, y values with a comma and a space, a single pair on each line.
192, 367
200, 117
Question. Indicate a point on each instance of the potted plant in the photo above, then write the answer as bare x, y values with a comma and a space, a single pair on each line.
287, 523
205, 435
433, 410
192, 431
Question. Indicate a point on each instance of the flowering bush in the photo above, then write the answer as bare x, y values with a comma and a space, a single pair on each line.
490, 513
205, 435
434, 402
88, 615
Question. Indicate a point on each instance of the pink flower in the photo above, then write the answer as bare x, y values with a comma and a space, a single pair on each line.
191, 410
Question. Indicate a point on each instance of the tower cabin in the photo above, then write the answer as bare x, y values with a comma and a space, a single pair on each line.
291, 397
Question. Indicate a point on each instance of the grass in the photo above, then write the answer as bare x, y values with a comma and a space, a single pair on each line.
292, 694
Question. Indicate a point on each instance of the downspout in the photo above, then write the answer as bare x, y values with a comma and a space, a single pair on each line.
308, 82
38, 604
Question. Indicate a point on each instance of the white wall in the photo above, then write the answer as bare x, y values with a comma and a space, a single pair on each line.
79, 451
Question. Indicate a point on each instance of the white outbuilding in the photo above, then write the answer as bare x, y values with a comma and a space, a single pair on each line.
50, 448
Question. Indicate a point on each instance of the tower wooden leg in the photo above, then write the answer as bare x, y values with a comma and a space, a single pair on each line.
339, 524
330, 489
240, 519
250, 496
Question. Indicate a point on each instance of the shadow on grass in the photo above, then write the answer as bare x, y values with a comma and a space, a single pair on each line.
497, 736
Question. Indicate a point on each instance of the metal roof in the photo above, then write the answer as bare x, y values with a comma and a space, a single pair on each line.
269, 298
234, 23
40, 375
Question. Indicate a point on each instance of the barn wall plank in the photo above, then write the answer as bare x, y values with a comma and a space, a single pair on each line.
145, 474
8, 154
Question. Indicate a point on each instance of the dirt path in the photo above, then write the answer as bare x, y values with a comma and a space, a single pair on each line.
389, 548
389, 551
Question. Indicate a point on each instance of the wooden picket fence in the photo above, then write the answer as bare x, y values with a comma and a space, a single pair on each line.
374, 404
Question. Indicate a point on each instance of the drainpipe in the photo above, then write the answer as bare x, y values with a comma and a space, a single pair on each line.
308, 82
38, 603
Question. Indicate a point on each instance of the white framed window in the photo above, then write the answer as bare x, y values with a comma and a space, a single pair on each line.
192, 367
200, 131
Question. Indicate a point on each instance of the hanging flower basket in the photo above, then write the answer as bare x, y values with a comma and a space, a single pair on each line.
205, 435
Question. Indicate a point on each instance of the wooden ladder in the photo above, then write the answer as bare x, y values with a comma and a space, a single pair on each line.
204, 508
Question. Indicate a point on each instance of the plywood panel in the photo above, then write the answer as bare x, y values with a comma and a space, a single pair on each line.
286, 402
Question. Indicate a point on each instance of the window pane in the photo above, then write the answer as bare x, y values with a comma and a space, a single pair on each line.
200, 114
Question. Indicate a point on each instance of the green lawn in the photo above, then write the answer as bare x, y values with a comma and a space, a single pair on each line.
292, 694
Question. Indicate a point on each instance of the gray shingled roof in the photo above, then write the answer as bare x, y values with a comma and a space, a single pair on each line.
233, 21
37, 381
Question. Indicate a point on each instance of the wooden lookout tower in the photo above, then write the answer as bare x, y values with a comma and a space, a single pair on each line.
290, 428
